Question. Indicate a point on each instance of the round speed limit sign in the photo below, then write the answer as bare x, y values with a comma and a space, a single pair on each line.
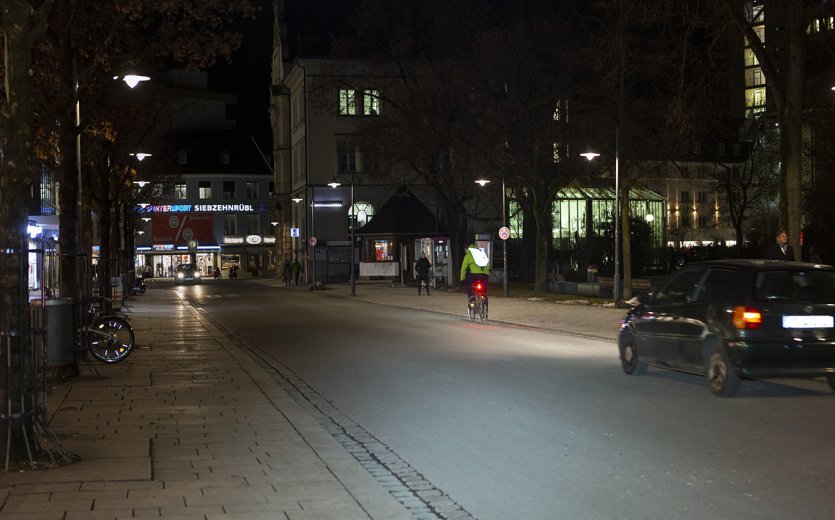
504, 233
311, 241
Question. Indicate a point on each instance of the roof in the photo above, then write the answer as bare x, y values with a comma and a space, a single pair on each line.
403, 214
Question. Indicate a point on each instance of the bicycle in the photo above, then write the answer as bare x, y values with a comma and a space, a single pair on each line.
109, 337
477, 306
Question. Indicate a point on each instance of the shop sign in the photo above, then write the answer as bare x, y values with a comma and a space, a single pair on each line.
253, 240
269, 240
205, 208
233, 240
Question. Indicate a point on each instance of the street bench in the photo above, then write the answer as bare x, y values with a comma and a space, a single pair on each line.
607, 285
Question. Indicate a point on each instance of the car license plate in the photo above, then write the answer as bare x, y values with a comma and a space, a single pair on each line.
807, 322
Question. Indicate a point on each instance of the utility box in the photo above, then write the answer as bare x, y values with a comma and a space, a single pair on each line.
58, 332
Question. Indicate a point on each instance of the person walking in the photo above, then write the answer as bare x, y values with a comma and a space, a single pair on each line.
297, 270
422, 268
287, 275
780, 250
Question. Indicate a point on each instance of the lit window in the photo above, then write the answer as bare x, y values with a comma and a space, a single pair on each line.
363, 212
205, 190
180, 191
347, 102
371, 102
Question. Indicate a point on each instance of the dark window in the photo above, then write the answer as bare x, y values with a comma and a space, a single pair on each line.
680, 289
717, 285
815, 286
228, 190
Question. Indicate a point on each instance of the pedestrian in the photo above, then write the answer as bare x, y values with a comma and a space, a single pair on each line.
780, 250
297, 270
422, 269
288, 272
814, 257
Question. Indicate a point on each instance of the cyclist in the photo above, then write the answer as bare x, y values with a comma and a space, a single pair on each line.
475, 267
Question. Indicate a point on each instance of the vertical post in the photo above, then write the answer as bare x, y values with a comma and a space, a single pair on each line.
313, 233
617, 293
353, 243
504, 246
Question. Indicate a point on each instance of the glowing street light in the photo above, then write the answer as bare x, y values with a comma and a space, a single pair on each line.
140, 156
483, 183
132, 80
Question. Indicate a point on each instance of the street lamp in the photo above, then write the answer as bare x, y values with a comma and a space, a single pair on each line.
482, 183
589, 155
335, 184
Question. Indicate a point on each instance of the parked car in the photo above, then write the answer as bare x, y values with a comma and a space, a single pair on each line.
187, 273
736, 319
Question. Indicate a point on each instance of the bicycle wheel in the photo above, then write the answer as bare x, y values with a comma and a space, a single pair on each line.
471, 310
482, 309
110, 338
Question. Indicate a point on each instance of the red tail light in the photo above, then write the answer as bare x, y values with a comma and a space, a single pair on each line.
747, 318
478, 287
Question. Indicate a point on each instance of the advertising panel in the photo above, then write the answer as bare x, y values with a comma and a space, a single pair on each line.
180, 228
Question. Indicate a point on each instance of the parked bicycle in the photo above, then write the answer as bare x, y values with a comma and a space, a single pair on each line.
477, 306
109, 337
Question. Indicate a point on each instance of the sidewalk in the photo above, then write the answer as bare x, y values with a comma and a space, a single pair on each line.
191, 427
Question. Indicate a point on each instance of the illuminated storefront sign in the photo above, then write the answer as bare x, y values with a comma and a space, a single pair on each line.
249, 239
205, 208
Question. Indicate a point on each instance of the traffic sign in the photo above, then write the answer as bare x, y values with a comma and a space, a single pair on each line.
504, 233
311, 241
192, 245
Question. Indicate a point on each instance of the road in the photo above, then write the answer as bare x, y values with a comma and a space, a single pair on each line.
519, 423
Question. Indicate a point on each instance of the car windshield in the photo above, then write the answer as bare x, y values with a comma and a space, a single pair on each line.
814, 285
186, 267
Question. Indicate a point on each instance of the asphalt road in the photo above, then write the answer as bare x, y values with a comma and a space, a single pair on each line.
519, 423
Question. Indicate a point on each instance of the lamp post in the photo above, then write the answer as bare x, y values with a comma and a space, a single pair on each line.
482, 183
591, 155
335, 184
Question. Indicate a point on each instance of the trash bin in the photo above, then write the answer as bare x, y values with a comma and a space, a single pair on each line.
59, 337
591, 273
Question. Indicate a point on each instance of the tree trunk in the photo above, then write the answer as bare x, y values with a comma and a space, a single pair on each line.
544, 230
16, 179
792, 134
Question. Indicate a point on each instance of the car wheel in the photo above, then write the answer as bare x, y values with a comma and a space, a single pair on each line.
630, 359
831, 381
722, 378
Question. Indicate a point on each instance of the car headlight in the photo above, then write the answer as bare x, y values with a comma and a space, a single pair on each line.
197, 275
179, 275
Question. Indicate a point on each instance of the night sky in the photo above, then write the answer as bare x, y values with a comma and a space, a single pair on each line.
310, 24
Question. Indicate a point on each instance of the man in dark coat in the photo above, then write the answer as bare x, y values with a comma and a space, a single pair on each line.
422, 268
780, 250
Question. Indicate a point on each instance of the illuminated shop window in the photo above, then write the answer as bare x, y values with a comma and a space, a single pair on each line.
382, 250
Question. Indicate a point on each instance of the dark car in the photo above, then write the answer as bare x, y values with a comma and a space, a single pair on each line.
187, 273
736, 319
